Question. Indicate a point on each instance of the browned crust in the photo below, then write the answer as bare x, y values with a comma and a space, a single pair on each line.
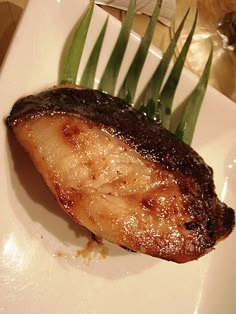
211, 219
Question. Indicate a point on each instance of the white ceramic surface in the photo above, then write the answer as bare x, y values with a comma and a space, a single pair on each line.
33, 230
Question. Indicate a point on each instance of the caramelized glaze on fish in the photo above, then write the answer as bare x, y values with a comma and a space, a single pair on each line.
121, 175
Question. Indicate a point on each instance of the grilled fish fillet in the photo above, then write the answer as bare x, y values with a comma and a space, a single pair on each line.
121, 175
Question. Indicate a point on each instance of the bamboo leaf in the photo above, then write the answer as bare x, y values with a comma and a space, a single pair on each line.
110, 75
169, 89
152, 89
88, 76
151, 99
128, 88
72, 62
192, 104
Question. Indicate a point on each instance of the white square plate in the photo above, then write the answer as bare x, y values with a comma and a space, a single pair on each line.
39, 272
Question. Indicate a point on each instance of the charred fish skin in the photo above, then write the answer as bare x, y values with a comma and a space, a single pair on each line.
207, 219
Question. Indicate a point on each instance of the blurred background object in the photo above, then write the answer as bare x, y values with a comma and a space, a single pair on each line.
211, 12
167, 12
227, 30
9, 16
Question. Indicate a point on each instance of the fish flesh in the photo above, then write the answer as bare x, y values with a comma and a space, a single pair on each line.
120, 174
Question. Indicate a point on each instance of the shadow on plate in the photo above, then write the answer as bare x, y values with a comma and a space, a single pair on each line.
228, 190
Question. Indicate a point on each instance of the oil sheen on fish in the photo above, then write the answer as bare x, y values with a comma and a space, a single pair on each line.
121, 175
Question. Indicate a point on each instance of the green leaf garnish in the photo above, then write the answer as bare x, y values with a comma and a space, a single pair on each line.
110, 75
192, 104
88, 76
70, 70
128, 88
169, 89
153, 102
152, 90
